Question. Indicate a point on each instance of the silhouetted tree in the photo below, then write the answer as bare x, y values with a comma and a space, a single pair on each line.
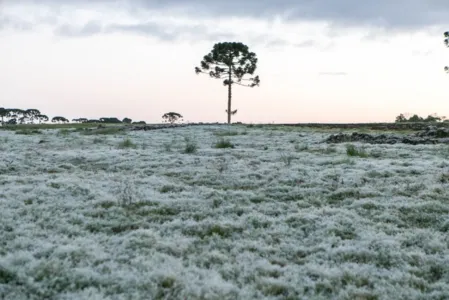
127, 120
140, 123
401, 118
433, 118
171, 117
110, 120
231, 62
79, 120
58, 119
415, 118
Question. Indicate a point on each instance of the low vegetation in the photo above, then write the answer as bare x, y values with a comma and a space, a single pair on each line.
127, 143
282, 216
352, 150
224, 143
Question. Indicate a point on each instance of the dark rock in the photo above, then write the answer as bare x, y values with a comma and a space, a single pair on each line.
430, 135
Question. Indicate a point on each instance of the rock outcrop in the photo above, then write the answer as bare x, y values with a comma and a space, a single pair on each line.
431, 135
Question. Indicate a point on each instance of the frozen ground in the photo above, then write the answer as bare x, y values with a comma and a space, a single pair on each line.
280, 216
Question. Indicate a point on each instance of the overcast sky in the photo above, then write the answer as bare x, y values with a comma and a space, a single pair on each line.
319, 60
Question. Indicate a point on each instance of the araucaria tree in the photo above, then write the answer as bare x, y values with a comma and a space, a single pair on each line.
171, 117
230, 62
58, 119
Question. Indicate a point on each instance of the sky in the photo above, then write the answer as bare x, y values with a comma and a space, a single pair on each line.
326, 61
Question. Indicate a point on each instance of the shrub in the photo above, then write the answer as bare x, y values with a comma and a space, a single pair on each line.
229, 133
352, 150
222, 143
191, 146
126, 143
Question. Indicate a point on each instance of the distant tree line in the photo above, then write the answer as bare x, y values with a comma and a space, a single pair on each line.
14, 116
415, 118
107, 120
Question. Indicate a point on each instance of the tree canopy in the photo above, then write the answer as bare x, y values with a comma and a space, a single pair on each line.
446, 42
231, 62
58, 119
171, 117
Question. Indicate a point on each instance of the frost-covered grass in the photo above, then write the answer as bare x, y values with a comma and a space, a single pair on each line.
281, 215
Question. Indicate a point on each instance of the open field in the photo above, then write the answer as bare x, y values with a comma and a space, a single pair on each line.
268, 214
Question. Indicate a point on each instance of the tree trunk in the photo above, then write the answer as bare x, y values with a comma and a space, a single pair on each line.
229, 96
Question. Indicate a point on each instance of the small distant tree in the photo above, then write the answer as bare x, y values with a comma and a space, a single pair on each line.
171, 117
80, 120
110, 120
401, 118
415, 118
230, 62
59, 119
127, 120
140, 123
433, 118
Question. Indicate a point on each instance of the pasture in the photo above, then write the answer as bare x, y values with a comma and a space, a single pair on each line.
218, 212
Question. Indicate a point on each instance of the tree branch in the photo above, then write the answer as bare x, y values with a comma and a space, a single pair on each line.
247, 85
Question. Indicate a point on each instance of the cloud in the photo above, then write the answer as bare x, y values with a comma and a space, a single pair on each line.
8, 22
90, 28
307, 44
164, 32
393, 14
170, 32
378, 19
